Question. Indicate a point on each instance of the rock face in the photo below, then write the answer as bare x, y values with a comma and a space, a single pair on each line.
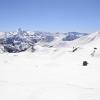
85, 63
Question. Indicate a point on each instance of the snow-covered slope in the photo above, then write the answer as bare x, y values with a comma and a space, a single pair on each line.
83, 40
52, 73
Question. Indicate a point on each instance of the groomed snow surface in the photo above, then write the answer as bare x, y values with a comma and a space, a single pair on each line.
50, 74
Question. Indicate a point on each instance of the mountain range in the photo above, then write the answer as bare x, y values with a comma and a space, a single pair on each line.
21, 40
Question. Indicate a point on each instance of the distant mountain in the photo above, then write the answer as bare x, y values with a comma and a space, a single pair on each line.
22, 40
73, 35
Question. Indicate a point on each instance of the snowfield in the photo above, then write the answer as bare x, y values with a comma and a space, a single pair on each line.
51, 73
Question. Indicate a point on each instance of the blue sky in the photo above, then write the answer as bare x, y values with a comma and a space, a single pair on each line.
50, 15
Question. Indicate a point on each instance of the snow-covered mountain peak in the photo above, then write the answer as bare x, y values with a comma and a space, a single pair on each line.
15, 41
92, 39
94, 35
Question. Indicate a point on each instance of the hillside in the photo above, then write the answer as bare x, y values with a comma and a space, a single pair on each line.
54, 73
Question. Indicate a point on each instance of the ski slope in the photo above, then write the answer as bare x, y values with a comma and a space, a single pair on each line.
51, 74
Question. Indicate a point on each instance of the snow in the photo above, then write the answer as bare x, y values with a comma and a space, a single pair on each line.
51, 74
